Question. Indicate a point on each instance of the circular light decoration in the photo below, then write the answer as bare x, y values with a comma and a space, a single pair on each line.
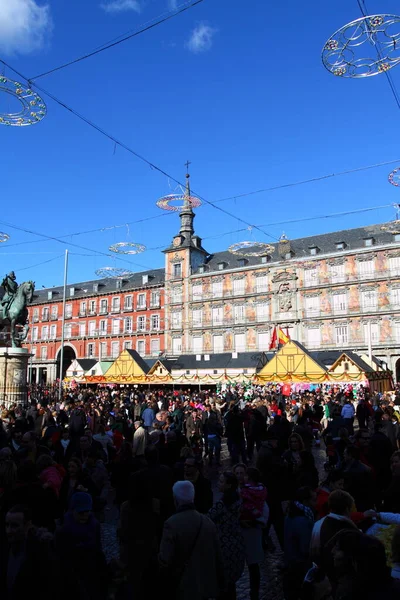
363, 48
165, 202
113, 273
127, 248
4, 237
251, 249
394, 177
33, 108
392, 227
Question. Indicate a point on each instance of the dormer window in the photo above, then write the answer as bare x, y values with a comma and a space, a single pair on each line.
264, 259
96, 287
242, 262
201, 269
396, 237
340, 245
221, 266
314, 250
119, 284
368, 242
72, 291
288, 255
145, 279
49, 295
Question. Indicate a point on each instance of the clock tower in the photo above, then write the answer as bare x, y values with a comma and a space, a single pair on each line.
182, 258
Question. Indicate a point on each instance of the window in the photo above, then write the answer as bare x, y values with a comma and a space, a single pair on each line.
118, 284
366, 268
43, 352
127, 345
177, 270
263, 340
128, 303
262, 284
239, 313
128, 325
103, 350
395, 297
310, 277
242, 262
394, 265
35, 315
176, 295
103, 327
103, 306
218, 343
262, 312
72, 291
145, 279
82, 309
90, 350
114, 349
140, 347
176, 320
116, 326
92, 327
338, 273
53, 332
54, 313
221, 266
45, 314
68, 311
341, 334
141, 323
374, 333
216, 289
155, 299
201, 269
116, 304
95, 287
314, 251
197, 317
313, 337
92, 307
240, 342
238, 287
217, 315
35, 332
45, 333
396, 237
311, 304
339, 303
67, 330
82, 329
155, 347
176, 345
369, 242
49, 295
340, 245
34, 351
155, 322
197, 344
141, 301
369, 300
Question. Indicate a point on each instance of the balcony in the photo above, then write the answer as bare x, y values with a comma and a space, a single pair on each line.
54, 317
92, 313
141, 307
103, 311
45, 317
82, 313
155, 304
115, 310
68, 315
35, 319
128, 308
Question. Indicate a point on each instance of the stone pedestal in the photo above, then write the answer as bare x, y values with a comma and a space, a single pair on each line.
13, 376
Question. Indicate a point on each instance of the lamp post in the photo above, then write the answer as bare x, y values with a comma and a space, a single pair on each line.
63, 324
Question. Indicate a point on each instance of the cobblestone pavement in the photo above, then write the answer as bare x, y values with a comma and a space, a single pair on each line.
271, 568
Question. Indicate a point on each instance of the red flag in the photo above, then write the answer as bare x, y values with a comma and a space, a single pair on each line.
274, 340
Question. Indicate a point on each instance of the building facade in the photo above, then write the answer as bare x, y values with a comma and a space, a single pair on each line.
102, 318
331, 291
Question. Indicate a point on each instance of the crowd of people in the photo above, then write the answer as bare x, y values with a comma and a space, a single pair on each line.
188, 524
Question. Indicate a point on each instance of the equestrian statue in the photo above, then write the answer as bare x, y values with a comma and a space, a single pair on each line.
13, 307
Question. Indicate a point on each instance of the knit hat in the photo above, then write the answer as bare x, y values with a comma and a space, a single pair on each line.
81, 502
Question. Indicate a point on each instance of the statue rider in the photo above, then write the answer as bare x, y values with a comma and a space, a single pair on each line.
10, 288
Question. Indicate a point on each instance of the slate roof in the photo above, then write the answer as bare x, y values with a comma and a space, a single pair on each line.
329, 357
139, 360
86, 363
325, 242
359, 361
168, 364
106, 286
223, 360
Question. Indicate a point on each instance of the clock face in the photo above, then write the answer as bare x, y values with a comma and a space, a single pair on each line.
177, 241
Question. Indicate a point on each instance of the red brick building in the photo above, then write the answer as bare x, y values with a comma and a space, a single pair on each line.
102, 318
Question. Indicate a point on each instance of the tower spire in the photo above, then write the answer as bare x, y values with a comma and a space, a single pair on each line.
187, 214
187, 191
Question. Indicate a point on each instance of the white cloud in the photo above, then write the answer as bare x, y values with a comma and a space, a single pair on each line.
201, 38
24, 26
116, 6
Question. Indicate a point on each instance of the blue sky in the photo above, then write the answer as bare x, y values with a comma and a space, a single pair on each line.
238, 89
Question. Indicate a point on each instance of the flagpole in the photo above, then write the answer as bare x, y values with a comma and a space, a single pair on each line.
63, 326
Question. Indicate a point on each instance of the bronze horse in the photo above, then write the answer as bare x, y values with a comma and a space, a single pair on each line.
16, 313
